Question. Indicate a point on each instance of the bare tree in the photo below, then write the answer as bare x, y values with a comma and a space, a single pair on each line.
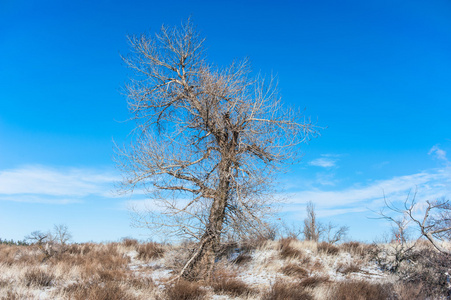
434, 224
206, 143
312, 229
334, 234
38, 237
61, 234
315, 230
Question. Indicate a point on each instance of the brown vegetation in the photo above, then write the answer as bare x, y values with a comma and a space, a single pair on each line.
287, 251
286, 291
289, 268
362, 290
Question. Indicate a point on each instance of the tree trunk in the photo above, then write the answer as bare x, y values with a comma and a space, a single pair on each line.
201, 263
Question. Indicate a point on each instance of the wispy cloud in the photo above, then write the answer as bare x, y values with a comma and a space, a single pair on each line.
430, 184
41, 184
439, 153
325, 161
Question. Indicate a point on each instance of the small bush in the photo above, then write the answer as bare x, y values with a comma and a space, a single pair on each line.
287, 251
294, 270
286, 291
361, 290
149, 251
185, 290
38, 277
327, 248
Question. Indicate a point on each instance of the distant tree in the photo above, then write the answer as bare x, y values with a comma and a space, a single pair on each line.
61, 234
312, 229
206, 144
315, 230
38, 237
334, 233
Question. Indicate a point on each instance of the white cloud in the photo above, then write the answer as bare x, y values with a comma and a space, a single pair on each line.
324, 162
430, 184
41, 184
439, 153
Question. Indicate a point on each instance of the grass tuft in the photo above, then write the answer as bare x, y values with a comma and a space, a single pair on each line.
150, 251
287, 251
327, 248
362, 290
286, 291
185, 290
294, 270
38, 277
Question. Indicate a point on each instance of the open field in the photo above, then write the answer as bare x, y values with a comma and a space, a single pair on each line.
284, 269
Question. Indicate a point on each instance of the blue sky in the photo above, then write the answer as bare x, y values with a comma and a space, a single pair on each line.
375, 73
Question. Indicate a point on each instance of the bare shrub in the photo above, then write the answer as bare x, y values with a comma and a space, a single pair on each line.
150, 251
185, 290
294, 270
327, 248
409, 291
287, 251
427, 267
38, 277
286, 291
362, 290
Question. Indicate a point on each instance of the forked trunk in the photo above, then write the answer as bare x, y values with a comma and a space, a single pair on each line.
201, 263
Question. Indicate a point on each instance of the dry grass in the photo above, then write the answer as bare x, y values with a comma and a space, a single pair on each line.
38, 277
295, 270
150, 251
314, 281
327, 248
287, 251
95, 291
130, 243
185, 290
242, 259
348, 268
129, 270
361, 290
286, 291
225, 281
